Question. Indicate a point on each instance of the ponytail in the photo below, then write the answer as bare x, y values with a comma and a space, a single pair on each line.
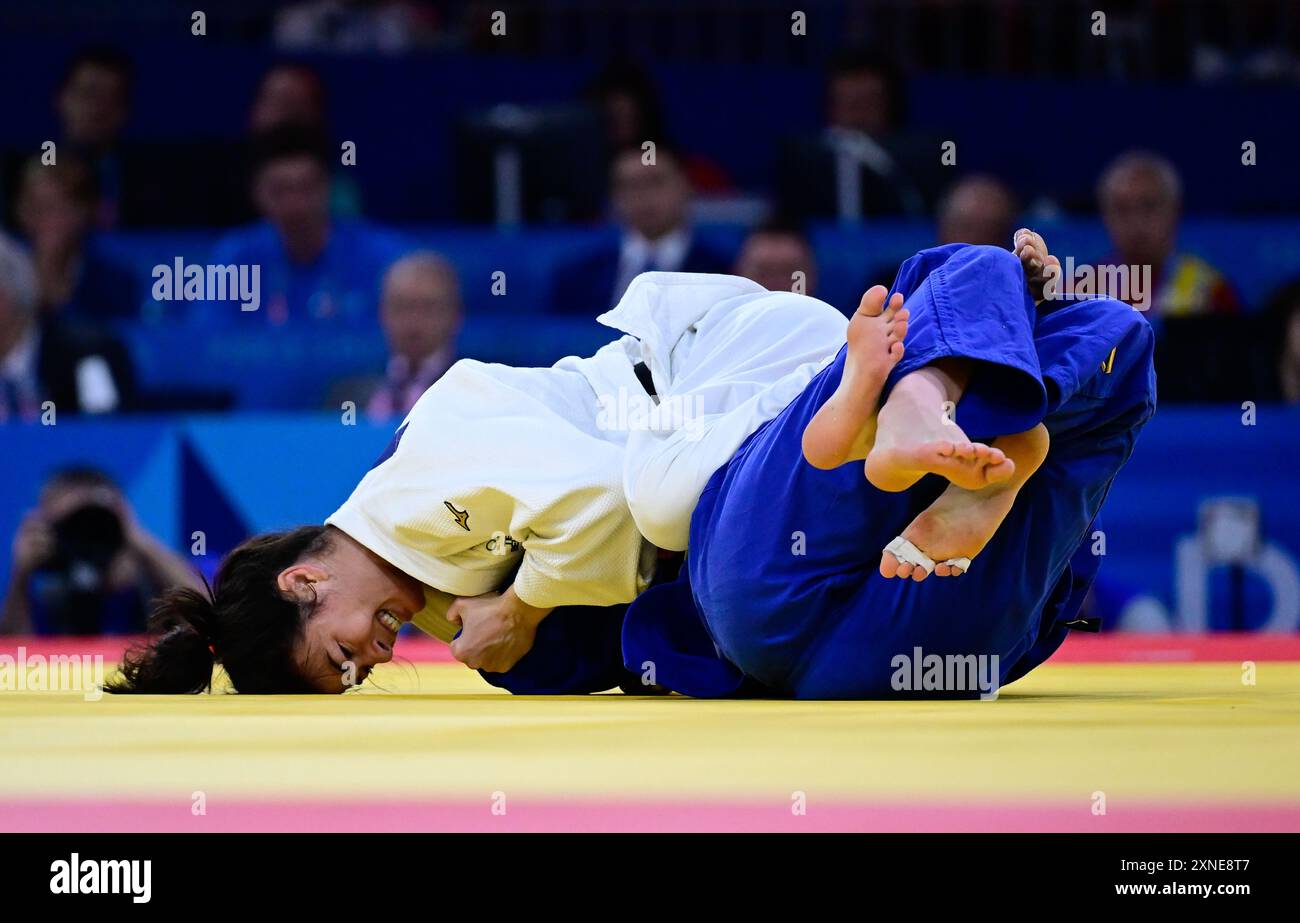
180, 654
246, 623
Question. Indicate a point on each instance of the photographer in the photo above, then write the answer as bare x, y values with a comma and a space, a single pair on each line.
83, 565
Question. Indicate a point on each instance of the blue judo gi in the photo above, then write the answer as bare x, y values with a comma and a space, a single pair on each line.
781, 593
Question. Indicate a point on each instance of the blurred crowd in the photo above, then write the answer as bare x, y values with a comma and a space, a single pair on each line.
294, 213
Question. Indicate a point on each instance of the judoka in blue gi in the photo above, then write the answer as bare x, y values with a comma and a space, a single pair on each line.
986, 430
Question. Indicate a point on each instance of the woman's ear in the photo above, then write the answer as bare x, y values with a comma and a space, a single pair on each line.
298, 581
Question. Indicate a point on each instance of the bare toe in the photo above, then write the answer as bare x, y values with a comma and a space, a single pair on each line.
873, 301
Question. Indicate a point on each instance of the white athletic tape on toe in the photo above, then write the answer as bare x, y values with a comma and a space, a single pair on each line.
907, 553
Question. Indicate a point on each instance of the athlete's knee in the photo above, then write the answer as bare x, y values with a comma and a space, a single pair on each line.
1040, 442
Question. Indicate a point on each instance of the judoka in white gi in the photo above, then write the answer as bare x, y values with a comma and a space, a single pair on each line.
506, 492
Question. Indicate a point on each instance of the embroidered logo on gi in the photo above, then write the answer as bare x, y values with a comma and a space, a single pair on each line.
462, 516
1110, 361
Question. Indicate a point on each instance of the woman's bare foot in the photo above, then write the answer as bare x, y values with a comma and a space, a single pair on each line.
916, 434
961, 522
844, 426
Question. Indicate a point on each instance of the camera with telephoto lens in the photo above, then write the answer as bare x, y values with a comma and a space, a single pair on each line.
74, 580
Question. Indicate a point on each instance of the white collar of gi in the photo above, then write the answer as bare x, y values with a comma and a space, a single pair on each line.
659, 307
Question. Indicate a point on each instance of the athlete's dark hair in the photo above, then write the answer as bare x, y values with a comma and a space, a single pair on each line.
246, 623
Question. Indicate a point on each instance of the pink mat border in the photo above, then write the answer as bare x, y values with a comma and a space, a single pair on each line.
641, 816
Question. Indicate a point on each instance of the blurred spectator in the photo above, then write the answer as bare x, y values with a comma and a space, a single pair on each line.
356, 25
288, 94
1281, 339
863, 163
79, 368
632, 113
421, 314
652, 203
978, 209
313, 266
138, 184
55, 212
83, 565
1140, 196
779, 257
93, 102
293, 94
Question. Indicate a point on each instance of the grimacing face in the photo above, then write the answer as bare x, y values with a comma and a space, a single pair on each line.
361, 603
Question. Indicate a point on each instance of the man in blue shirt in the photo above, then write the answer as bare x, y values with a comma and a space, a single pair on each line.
313, 267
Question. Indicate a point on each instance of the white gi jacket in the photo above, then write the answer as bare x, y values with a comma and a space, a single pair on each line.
501, 471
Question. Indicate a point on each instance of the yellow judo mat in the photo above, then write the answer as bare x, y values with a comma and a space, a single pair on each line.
1074, 746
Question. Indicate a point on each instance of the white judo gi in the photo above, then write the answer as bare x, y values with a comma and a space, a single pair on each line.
568, 477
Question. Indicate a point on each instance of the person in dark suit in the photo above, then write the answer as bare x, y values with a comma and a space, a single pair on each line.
652, 200
863, 163
421, 313
76, 366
